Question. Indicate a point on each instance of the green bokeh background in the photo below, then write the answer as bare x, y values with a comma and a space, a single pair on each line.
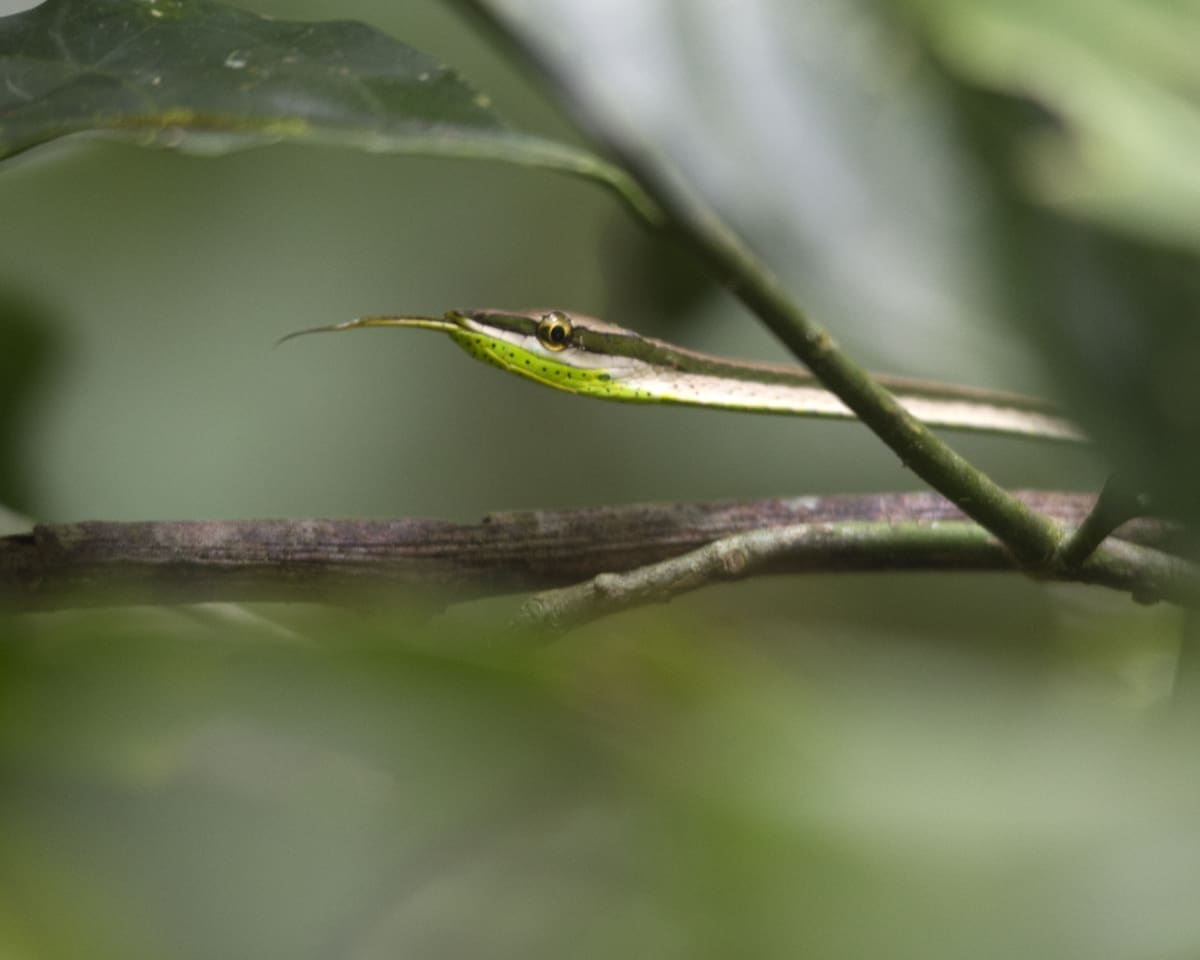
911, 765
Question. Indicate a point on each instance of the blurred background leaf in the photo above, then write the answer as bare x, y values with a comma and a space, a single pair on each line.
1121, 81
818, 131
1087, 118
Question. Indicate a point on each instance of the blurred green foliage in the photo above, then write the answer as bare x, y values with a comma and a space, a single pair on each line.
25, 358
937, 766
185, 785
1088, 117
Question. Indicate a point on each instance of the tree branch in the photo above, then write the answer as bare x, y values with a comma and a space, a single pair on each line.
81, 564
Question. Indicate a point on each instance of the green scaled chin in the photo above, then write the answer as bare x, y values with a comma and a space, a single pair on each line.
536, 366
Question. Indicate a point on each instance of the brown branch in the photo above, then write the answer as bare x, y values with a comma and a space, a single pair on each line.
81, 564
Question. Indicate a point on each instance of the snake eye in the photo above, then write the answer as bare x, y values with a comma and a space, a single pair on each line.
554, 331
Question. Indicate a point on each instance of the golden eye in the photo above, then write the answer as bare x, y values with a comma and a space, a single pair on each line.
554, 331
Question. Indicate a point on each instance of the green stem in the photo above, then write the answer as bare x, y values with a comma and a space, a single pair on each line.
1032, 539
1115, 505
1147, 574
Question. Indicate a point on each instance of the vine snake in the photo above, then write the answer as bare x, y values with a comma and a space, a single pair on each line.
586, 356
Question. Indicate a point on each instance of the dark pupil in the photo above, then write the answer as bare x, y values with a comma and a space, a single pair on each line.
557, 334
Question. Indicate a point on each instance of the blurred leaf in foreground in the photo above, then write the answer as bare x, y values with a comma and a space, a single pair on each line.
171, 789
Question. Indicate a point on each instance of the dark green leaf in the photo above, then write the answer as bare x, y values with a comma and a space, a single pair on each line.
200, 76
